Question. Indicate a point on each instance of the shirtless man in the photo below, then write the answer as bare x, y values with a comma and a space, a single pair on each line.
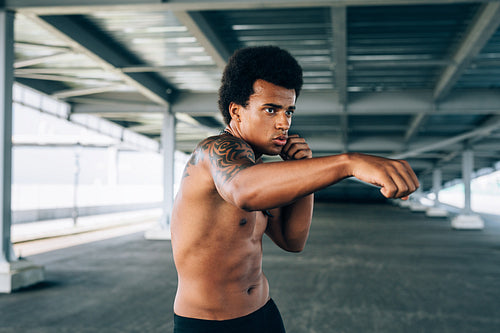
228, 198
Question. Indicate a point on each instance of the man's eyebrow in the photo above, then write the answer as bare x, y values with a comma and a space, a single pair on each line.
277, 106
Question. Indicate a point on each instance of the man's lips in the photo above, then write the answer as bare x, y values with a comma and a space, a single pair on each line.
280, 140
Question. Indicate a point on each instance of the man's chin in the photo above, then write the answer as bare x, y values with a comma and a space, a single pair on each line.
273, 152
270, 151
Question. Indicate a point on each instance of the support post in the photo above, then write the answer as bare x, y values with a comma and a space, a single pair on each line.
467, 219
14, 273
437, 179
436, 210
415, 204
162, 230
76, 181
467, 169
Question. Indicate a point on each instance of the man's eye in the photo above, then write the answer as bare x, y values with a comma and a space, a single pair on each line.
270, 110
289, 113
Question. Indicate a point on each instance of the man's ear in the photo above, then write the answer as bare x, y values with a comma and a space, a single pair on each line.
235, 111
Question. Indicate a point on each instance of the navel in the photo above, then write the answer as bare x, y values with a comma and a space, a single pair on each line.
243, 221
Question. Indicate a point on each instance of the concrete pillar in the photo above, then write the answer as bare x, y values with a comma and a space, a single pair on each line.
437, 180
467, 169
76, 182
162, 231
14, 273
415, 204
467, 219
436, 210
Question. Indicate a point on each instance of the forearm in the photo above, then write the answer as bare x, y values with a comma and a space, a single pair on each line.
271, 185
296, 222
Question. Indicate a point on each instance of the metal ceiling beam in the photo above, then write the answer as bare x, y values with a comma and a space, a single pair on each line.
339, 52
484, 25
118, 107
415, 124
73, 79
490, 121
363, 64
339, 27
58, 70
204, 34
65, 7
146, 128
440, 162
87, 70
465, 102
39, 60
37, 46
110, 57
489, 149
143, 69
87, 91
481, 131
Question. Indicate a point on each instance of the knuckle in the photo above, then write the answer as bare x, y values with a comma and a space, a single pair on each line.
391, 190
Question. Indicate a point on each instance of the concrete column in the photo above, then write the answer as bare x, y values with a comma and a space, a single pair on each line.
162, 231
6, 82
14, 273
436, 210
76, 182
415, 204
437, 180
467, 218
467, 169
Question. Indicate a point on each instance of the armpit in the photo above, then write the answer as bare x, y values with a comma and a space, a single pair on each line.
267, 213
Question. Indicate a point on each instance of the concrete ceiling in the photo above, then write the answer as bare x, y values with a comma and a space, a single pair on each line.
418, 80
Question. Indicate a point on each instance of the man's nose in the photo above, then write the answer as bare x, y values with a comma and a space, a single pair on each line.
283, 122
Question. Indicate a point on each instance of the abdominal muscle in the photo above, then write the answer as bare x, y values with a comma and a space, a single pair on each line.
219, 267
220, 301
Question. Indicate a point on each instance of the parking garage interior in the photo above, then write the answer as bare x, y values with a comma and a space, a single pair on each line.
406, 79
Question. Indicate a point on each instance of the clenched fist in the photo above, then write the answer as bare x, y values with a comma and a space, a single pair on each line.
296, 148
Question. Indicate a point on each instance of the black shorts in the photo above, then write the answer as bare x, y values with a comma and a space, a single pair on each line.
267, 319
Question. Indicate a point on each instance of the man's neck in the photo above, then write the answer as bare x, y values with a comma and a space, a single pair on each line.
230, 131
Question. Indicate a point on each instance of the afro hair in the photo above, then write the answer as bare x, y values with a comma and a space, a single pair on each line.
246, 65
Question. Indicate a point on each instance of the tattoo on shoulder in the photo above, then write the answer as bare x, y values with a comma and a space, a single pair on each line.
193, 160
196, 157
227, 155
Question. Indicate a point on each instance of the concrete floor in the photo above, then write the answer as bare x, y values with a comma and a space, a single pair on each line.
366, 268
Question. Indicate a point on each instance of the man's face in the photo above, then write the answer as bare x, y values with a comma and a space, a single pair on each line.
265, 121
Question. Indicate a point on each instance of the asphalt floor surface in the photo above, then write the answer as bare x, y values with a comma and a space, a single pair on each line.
366, 268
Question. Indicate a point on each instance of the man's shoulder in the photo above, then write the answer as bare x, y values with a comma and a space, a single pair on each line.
224, 148
221, 144
223, 137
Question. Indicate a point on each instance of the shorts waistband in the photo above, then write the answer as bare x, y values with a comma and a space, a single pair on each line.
235, 321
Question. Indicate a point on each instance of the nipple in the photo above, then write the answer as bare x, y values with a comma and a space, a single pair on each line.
243, 221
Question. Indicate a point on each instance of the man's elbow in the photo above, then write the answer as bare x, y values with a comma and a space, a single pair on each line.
294, 248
